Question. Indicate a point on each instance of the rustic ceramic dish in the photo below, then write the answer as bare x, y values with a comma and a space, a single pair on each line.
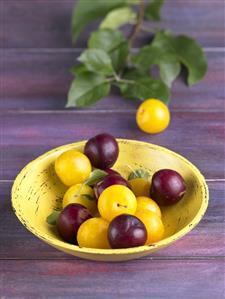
37, 191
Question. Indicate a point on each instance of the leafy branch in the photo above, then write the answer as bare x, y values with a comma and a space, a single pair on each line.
108, 59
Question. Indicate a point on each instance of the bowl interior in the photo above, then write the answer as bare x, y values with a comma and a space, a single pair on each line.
37, 190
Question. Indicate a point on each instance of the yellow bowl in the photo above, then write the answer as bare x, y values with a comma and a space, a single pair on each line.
37, 191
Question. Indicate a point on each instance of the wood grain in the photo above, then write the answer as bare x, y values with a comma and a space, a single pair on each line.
199, 136
46, 23
207, 239
137, 279
40, 79
35, 55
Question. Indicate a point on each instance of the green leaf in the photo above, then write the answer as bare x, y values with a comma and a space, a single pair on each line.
78, 69
169, 71
135, 73
160, 52
87, 89
144, 88
161, 49
192, 56
131, 74
133, 2
118, 17
146, 57
105, 39
95, 176
139, 173
119, 56
87, 196
168, 52
87, 11
53, 217
112, 42
152, 11
97, 61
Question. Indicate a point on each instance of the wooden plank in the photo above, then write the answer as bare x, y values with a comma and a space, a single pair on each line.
199, 136
137, 279
38, 80
46, 23
207, 239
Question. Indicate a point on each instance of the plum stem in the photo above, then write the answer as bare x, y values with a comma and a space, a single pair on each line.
119, 205
77, 194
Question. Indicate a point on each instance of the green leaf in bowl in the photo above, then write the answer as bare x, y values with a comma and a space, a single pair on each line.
139, 173
53, 217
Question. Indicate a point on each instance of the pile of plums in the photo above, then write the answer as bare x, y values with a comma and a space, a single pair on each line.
114, 212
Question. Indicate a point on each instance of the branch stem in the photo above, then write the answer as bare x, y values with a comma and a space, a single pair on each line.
138, 25
126, 81
118, 79
146, 29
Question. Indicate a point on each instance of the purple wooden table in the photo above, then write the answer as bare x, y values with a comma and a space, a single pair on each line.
36, 53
